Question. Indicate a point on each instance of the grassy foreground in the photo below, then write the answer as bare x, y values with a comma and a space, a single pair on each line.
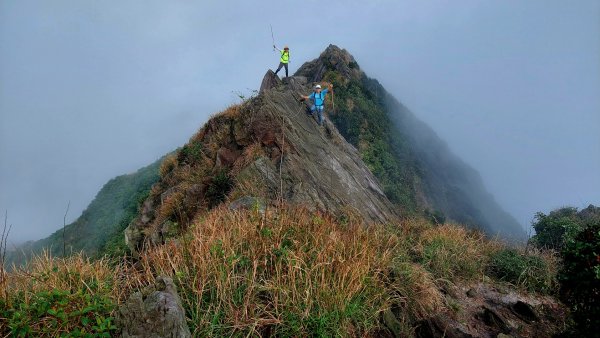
289, 272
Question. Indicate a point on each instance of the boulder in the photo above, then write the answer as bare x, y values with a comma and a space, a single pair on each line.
248, 203
154, 312
270, 80
226, 157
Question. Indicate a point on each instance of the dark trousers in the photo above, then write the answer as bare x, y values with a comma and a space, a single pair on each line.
281, 64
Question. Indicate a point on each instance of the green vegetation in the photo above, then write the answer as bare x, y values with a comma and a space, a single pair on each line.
49, 313
99, 229
366, 125
71, 297
576, 237
561, 226
531, 271
217, 191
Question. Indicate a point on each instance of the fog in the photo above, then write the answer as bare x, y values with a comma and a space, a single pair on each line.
94, 89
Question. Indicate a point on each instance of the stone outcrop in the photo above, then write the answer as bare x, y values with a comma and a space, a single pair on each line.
333, 57
270, 81
486, 311
155, 312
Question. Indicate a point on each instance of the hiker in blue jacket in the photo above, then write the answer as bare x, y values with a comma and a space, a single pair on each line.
318, 98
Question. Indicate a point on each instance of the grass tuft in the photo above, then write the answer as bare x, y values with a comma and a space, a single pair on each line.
533, 270
451, 252
53, 297
293, 272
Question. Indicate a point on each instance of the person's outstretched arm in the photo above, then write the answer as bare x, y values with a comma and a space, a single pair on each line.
328, 85
276, 48
304, 97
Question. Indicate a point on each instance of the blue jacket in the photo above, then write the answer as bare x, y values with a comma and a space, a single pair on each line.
318, 98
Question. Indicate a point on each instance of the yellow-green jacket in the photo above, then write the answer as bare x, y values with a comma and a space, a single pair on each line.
285, 56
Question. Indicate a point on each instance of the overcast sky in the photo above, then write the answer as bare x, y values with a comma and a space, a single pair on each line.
94, 89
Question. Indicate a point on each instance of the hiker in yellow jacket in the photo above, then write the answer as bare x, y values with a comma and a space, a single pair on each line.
284, 60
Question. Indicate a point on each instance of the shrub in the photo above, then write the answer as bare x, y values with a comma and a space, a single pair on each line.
218, 189
576, 236
580, 279
533, 271
554, 229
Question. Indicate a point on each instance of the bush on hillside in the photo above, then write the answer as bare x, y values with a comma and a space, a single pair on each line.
576, 237
531, 271
580, 278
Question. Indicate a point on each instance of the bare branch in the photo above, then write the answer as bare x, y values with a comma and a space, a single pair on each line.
64, 226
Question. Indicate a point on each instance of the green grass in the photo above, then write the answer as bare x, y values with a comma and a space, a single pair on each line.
530, 271
56, 297
59, 312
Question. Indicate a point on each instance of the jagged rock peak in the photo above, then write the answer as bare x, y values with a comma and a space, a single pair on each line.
271, 80
332, 58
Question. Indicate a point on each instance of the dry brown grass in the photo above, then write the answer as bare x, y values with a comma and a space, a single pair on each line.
251, 153
286, 271
231, 112
170, 206
290, 272
73, 273
168, 164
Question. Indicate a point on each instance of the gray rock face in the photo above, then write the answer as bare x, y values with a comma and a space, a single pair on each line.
271, 80
486, 311
318, 167
248, 203
155, 312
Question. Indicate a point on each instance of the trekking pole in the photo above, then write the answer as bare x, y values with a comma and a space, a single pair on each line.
333, 100
272, 38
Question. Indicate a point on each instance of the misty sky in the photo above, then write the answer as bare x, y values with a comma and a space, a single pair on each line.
93, 89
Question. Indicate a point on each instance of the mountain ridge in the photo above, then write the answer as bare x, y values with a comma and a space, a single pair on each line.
419, 187
430, 179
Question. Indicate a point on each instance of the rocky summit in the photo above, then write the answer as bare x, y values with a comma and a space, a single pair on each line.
269, 148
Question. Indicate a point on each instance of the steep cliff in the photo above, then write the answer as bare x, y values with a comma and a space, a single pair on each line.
417, 170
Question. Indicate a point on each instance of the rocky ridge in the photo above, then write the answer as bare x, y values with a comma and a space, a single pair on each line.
267, 147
